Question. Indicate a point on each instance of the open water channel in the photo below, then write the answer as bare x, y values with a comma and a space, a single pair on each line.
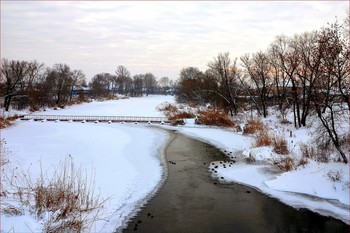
190, 201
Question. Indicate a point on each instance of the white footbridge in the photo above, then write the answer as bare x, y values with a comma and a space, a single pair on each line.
109, 119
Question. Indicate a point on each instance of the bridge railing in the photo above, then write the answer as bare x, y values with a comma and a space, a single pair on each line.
96, 118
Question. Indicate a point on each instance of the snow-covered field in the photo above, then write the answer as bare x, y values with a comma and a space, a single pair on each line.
127, 162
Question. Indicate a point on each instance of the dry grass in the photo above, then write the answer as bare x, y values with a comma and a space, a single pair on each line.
253, 126
4, 153
181, 115
174, 113
168, 109
286, 164
302, 162
214, 118
66, 200
250, 158
5, 122
263, 138
280, 146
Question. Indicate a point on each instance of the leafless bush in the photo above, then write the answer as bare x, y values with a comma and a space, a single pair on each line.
253, 126
168, 109
302, 162
250, 158
317, 154
334, 175
280, 146
285, 163
174, 113
214, 118
7, 121
263, 138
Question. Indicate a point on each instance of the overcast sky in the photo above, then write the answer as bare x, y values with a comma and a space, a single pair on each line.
161, 37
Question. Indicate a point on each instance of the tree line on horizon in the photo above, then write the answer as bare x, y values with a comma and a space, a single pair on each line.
31, 84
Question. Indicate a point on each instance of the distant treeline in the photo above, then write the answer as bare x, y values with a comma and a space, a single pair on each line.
31, 84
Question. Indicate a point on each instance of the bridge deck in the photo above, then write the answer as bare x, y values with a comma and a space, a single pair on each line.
139, 119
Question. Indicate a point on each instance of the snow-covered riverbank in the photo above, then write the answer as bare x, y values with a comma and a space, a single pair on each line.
126, 161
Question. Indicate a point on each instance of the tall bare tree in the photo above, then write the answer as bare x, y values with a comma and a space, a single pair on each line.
259, 69
138, 84
188, 85
122, 79
226, 73
150, 83
280, 79
78, 77
13, 74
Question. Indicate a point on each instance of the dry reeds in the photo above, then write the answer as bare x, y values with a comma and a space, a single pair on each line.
67, 199
263, 139
5, 122
214, 118
253, 126
280, 146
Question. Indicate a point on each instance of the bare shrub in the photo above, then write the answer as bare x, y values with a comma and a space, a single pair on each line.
308, 151
334, 175
214, 118
181, 115
250, 158
253, 125
168, 109
285, 121
263, 138
175, 114
280, 146
317, 154
7, 121
177, 122
302, 162
12, 211
285, 164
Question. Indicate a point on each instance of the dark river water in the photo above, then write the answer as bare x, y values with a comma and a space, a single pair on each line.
190, 202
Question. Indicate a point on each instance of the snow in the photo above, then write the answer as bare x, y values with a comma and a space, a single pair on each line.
136, 106
125, 158
127, 161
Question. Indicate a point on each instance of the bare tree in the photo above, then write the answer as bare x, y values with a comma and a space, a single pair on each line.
59, 79
259, 69
122, 79
150, 83
309, 71
280, 78
330, 89
138, 84
164, 84
33, 83
290, 60
13, 74
78, 78
100, 85
188, 84
226, 73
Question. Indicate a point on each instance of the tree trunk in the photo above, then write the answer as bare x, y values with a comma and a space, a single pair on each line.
7, 102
